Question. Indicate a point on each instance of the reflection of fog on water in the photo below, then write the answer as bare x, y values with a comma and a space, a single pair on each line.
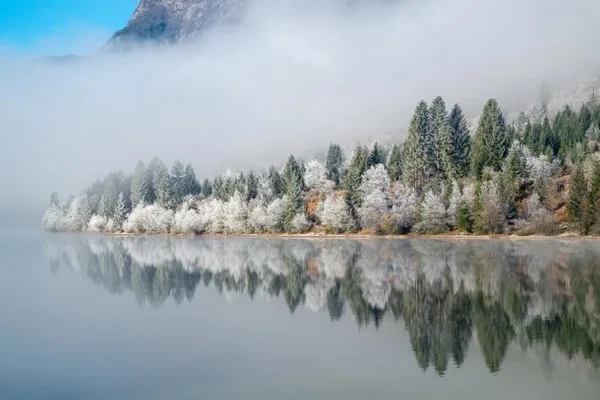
445, 291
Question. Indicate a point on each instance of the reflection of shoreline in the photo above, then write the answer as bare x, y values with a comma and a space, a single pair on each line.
447, 293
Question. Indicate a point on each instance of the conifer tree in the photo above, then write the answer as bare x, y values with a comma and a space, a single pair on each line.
334, 163
292, 203
592, 207
177, 183
577, 196
375, 156
352, 195
418, 147
514, 164
162, 186
139, 185
191, 186
490, 141
394, 164
440, 131
251, 186
292, 173
119, 212
207, 188
457, 164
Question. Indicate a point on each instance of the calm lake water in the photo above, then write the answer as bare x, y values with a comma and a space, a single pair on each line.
167, 318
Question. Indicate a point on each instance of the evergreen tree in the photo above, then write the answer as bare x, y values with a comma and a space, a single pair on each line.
177, 184
394, 164
352, 195
577, 196
375, 156
440, 131
292, 174
251, 186
417, 161
191, 186
490, 141
334, 163
139, 185
54, 201
120, 211
161, 181
207, 188
592, 208
514, 164
292, 204
276, 181
457, 164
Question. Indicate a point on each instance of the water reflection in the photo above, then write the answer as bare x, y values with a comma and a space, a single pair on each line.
446, 292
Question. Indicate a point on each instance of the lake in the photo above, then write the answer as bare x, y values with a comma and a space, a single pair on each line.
103, 317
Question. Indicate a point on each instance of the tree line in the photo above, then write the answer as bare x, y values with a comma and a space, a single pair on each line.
539, 173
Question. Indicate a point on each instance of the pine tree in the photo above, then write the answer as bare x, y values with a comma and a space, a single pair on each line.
207, 188
119, 212
440, 131
577, 196
490, 142
191, 186
418, 147
334, 163
139, 185
394, 164
375, 156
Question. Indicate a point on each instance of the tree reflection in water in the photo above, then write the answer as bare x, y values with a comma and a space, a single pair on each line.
445, 291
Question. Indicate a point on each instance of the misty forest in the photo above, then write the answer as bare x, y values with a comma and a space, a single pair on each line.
537, 174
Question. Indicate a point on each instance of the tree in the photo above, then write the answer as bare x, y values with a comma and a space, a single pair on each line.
292, 175
453, 205
335, 214
375, 156
515, 165
577, 197
418, 149
433, 214
207, 188
593, 201
403, 200
490, 142
140, 185
490, 213
315, 177
440, 132
458, 160
250, 186
394, 163
334, 163
292, 203
191, 186
161, 181
177, 184
120, 210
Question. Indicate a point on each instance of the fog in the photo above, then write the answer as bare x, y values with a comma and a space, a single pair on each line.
293, 77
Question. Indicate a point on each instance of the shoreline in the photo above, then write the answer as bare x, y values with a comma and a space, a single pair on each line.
312, 235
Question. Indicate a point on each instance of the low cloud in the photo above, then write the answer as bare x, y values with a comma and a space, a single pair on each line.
293, 77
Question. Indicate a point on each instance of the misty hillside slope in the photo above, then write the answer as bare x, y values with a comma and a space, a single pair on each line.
171, 21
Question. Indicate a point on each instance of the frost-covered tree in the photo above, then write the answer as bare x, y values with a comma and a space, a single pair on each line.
292, 174
75, 218
178, 189
418, 151
257, 217
433, 214
300, 223
265, 192
236, 214
335, 214
191, 186
515, 165
119, 213
161, 182
490, 142
404, 201
315, 177
212, 213
250, 186
275, 211
376, 155
150, 219
52, 219
458, 158
375, 178
373, 209
292, 203
140, 185
186, 220
454, 205
97, 224
207, 188
440, 132
334, 163
490, 212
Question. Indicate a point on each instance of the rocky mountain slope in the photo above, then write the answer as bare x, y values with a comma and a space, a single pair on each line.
171, 21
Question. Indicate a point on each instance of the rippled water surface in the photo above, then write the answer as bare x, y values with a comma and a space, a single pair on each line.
169, 317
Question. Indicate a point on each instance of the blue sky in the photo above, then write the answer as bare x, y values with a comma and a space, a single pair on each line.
57, 27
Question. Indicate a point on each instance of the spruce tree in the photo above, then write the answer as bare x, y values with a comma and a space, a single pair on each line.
334, 163
592, 207
119, 212
440, 132
191, 186
139, 185
577, 196
352, 194
177, 184
457, 164
292, 174
514, 164
375, 156
394, 164
417, 166
207, 188
251, 186
292, 204
162, 184
276, 181
490, 141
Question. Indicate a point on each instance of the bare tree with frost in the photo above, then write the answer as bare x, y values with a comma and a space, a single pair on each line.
236, 214
433, 214
315, 177
335, 214
404, 201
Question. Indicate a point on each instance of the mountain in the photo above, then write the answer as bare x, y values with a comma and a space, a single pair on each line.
172, 21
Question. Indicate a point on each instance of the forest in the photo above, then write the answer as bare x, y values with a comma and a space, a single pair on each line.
536, 174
